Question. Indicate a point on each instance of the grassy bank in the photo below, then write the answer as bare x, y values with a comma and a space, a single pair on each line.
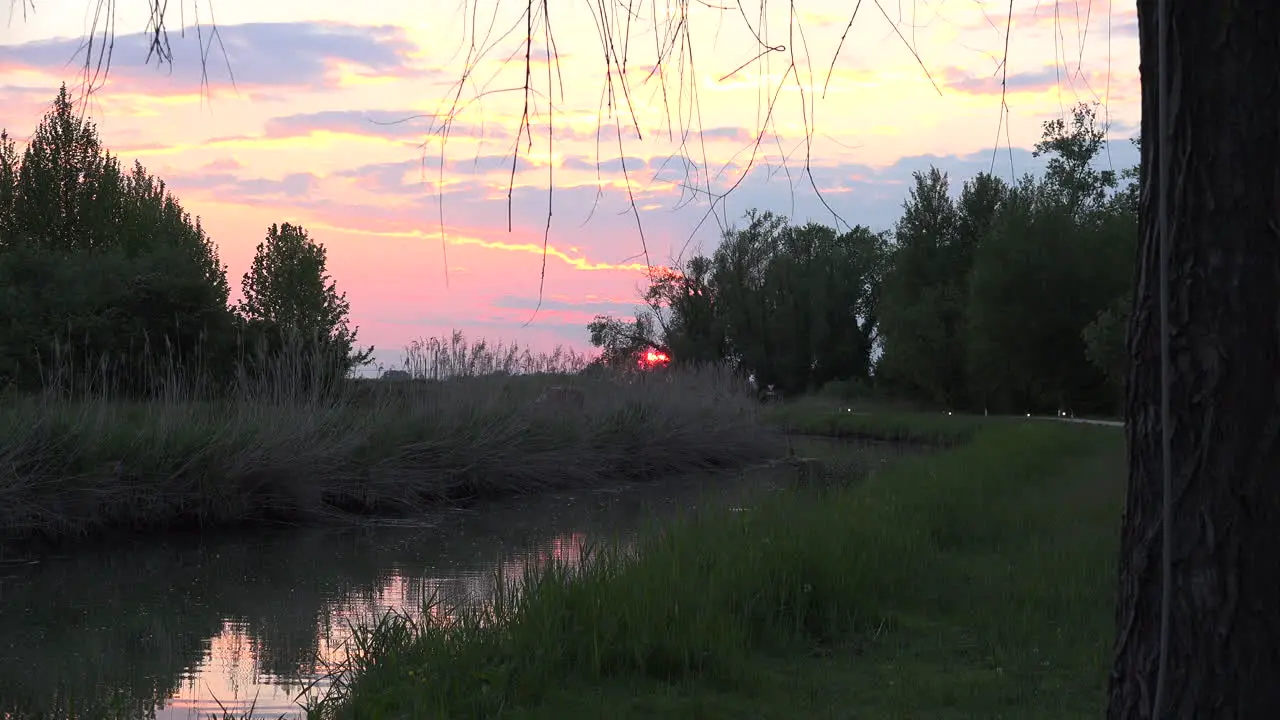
816, 416
78, 466
975, 582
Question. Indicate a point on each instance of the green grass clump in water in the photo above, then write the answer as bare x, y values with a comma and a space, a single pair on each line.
971, 583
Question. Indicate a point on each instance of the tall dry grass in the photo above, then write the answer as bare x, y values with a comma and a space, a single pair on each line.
454, 357
272, 450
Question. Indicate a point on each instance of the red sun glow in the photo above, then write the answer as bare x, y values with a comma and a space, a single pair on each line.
654, 358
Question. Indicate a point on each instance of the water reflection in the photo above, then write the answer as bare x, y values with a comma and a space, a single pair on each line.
182, 628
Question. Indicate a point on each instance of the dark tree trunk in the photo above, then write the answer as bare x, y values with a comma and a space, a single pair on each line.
1224, 135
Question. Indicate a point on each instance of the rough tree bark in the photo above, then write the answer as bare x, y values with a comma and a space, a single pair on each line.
1224, 134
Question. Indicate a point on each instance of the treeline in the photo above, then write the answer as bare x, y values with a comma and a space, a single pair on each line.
1009, 298
109, 285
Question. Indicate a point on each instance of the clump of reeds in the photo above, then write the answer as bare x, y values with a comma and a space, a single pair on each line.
281, 446
455, 357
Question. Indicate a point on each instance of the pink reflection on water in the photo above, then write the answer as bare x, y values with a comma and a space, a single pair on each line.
230, 676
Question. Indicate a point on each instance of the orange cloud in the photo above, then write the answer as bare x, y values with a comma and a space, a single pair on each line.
1034, 82
529, 247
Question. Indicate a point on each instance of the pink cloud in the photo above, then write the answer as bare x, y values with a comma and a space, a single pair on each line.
1037, 81
226, 164
251, 57
1056, 15
399, 124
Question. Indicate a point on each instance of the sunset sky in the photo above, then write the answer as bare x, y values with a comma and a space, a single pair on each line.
301, 135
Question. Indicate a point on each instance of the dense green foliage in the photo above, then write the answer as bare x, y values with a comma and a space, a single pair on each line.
794, 305
289, 300
110, 285
1005, 298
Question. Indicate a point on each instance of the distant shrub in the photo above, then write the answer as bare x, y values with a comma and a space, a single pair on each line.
850, 390
128, 324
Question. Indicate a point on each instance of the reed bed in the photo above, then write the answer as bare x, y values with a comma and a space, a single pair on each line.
276, 449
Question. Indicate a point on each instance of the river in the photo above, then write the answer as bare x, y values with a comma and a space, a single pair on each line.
188, 626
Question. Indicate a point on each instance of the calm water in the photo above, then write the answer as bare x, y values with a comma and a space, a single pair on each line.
179, 626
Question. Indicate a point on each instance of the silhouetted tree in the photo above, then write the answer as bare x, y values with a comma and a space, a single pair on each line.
924, 297
1058, 252
108, 282
289, 297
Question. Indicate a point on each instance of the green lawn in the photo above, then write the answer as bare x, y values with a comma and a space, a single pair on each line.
975, 582
869, 422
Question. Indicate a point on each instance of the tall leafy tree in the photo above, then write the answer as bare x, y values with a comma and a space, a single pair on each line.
288, 290
923, 296
1072, 147
1106, 338
1105, 343
142, 295
799, 305
682, 304
622, 341
678, 318
739, 270
151, 218
1022, 287
850, 272
67, 185
1059, 251
9, 163
794, 306
976, 213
